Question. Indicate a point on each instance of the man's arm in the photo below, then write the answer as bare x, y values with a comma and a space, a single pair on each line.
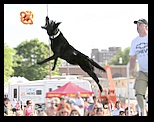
132, 65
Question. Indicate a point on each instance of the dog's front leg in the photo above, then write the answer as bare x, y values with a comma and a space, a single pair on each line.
46, 60
55, 62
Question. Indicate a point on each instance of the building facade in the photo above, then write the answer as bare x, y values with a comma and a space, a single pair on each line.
104, 56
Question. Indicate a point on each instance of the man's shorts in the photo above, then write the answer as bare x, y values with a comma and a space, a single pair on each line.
141, 83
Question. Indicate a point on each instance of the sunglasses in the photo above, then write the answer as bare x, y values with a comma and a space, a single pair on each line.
63, 112
95, 108
29, 103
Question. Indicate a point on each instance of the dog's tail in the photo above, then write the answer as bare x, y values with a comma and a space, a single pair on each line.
96, 64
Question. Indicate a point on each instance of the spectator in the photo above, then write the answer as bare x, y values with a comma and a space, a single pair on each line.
94, 110
18, 106
52, 110
96, 100
28, 111
33, 106
75, 111
100, 111
106, 111
146, 108
132, 113
80, 103
13, 105
42, 113
19, 113
86, 105
63, 111
6, 100
121, 113
117, 109
63, 103
21, 104
111, 106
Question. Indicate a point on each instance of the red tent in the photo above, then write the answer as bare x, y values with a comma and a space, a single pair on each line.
70, 90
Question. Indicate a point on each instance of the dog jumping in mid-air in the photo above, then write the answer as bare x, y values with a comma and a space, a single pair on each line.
62, 49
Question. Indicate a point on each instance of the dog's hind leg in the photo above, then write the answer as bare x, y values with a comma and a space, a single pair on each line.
55, 62
93, 75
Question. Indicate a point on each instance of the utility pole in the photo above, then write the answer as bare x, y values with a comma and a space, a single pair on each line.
49, 62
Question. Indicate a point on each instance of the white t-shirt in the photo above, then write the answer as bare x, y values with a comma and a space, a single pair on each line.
13, 104
80, 102
116, 112
139, 47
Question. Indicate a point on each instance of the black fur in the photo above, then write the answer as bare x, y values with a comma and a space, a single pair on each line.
62, 49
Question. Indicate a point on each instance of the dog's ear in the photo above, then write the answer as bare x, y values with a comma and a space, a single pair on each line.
44, 27
56, 25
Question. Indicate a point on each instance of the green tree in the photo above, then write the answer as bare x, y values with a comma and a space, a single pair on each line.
121, 54
31, 52
8, 63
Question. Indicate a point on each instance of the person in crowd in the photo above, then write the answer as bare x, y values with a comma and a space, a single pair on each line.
80, 103
117, 109
111, 106
21, 104
139, 52
121, 113
75, 111
94, 110
52, 110
106, 110
86, 105
6, 101
42, 113
13, 105
63, 111
19, 113
99, 112
63, 103
28, 110
132, 113
18, 106
96, 101
33, 106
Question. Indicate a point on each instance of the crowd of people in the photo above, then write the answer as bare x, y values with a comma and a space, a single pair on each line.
79, 107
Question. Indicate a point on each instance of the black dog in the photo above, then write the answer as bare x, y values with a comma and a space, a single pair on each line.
62, 49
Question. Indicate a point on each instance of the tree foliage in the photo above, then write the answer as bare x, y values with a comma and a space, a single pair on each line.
8, 63
30, 53
121, 54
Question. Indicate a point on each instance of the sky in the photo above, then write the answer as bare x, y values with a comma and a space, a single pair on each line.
85, 26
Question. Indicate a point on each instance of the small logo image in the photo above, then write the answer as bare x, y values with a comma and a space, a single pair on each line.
142, 45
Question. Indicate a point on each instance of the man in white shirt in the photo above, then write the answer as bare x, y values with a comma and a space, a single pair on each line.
117, 109
13, 104
80, 103
139, 50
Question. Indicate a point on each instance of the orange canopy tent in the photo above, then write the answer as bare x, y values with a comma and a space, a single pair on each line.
69, 90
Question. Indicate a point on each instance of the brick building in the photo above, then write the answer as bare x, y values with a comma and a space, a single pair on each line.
117, 71
104, 55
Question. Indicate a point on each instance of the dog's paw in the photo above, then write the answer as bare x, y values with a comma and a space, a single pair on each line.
39, 63
53, 68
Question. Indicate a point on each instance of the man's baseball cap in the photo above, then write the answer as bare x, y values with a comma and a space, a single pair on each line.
144, 21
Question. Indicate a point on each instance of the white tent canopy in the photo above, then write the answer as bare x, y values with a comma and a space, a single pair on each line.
14, 80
